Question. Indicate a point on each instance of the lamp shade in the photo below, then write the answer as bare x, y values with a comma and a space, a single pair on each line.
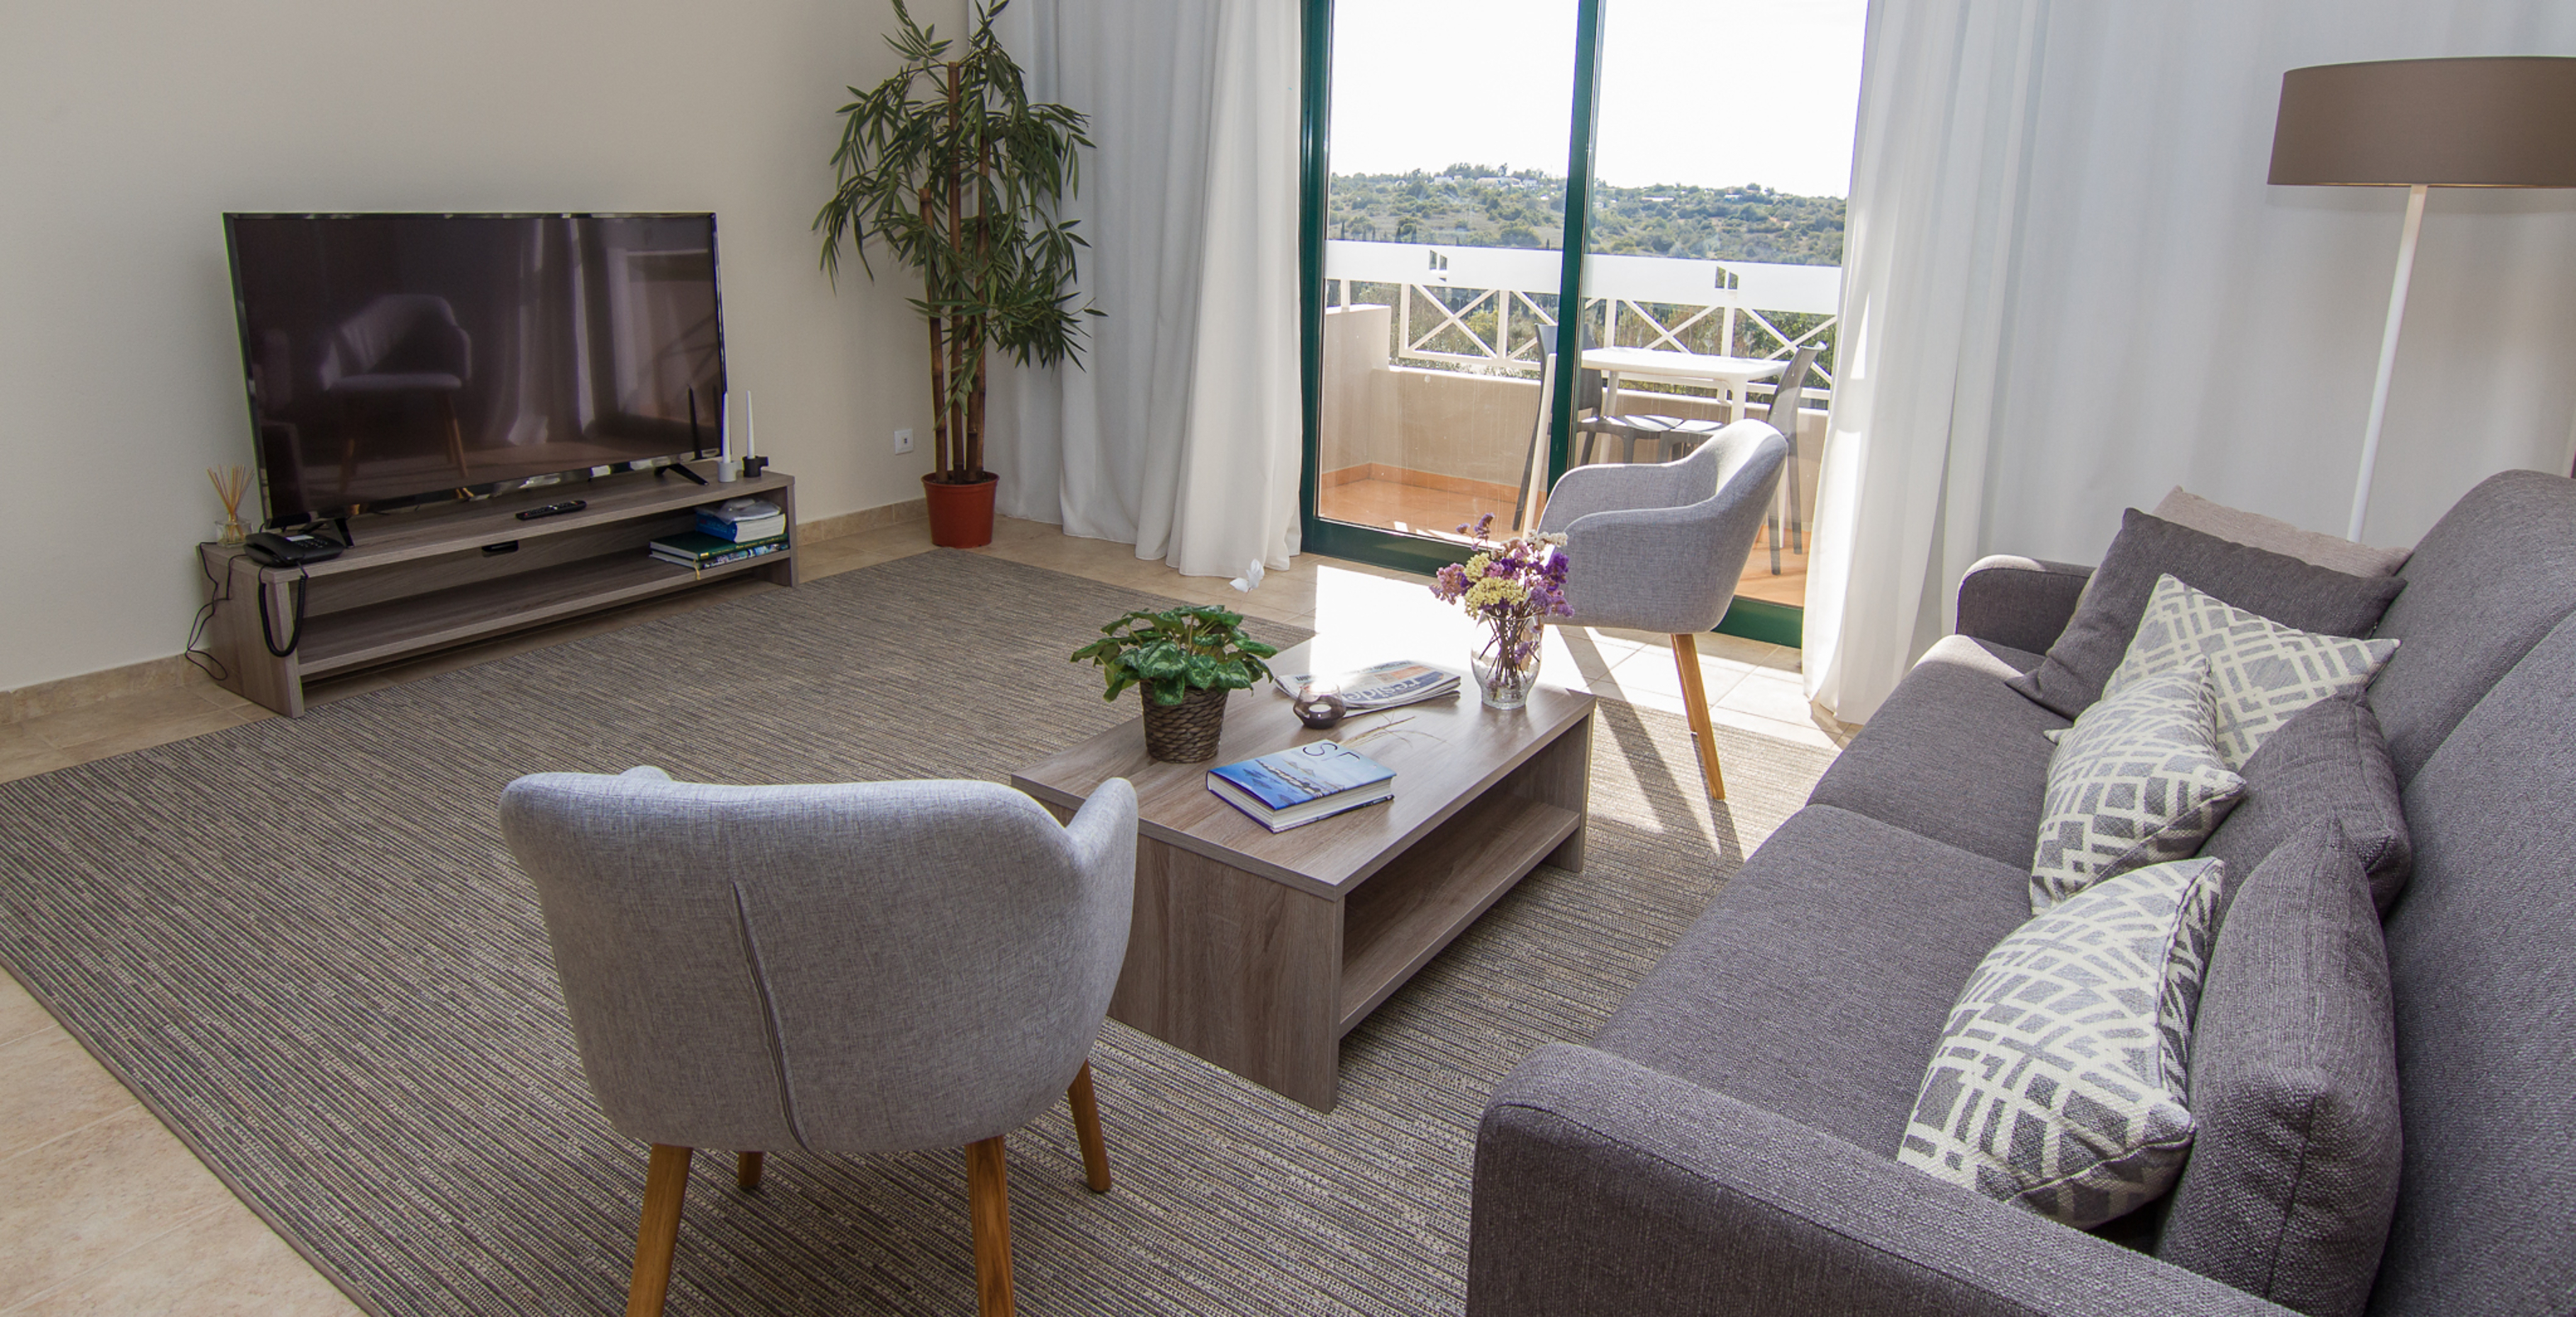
2495, 121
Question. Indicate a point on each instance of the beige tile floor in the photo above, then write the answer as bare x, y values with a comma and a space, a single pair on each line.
102, 1210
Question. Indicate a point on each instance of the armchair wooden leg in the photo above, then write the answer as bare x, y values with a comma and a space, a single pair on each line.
666, 1178
988, 1204
1695, 699
746, 1171
1086, 1124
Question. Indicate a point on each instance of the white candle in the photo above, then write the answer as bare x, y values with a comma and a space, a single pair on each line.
750, 429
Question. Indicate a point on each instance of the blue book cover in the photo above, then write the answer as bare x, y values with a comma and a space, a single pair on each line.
1303, 774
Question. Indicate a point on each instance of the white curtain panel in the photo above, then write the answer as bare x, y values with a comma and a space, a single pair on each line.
2133, 307
1180, 431
1938, 175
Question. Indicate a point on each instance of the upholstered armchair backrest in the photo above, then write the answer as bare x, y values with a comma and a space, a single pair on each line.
1659, 547
854, 968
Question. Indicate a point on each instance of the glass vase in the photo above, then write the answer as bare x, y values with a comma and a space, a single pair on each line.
1506, 664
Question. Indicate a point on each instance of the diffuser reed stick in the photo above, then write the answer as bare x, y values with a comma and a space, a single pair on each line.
230, 484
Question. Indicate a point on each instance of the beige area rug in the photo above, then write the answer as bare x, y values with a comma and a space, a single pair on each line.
303, 944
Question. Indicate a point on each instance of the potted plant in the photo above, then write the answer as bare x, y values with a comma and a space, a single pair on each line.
1187, 659
949, 166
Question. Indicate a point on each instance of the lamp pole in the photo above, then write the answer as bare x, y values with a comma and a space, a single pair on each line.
2387, 357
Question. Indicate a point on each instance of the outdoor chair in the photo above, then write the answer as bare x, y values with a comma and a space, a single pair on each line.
1787, 396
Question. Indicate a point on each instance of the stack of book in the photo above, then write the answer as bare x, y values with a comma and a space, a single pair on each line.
1296, 786
743, 520
728, 532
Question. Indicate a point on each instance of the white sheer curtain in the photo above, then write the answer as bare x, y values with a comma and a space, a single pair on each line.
1180, 431
1939, 168
2068, 288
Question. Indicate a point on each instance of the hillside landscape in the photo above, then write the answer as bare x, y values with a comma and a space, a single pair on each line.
1481, 206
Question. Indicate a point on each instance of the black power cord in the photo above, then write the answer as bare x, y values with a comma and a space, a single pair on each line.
194, 651
268, 629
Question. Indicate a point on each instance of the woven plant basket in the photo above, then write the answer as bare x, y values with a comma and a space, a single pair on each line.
1187, 732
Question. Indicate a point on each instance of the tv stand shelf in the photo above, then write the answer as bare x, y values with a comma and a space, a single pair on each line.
416, 582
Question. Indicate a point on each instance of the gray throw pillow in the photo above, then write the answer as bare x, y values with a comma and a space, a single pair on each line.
2184, 508
2293, 1175
2060, 1080
2329, 762
2276, 586
2137, 781
2263, 672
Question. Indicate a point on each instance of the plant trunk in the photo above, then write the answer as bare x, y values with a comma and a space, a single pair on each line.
983, 297
938, 358
960, 350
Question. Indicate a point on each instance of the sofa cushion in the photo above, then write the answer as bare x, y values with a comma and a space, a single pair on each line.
1952, 755
2263, 672
2138, 781
1816, 982
2059, 1083
2294, 1085
2490, 579
2184, 508
2329, 762
2482, 958
2274, 585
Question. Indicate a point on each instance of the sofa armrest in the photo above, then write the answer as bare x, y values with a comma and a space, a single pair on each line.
1603, 1187
2020, 602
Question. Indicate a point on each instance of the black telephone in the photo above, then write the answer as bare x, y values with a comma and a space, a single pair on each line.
272, 550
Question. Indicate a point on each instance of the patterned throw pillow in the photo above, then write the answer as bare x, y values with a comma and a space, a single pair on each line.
2060, 1081
2264, 672
2136, 781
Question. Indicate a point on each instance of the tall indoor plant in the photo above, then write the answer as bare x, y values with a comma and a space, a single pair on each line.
950, 167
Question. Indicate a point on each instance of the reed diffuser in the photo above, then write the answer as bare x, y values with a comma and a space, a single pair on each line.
230, 484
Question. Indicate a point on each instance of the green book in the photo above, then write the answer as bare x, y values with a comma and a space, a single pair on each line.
699, 545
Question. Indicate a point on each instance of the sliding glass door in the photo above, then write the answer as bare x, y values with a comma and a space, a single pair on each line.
1670, 170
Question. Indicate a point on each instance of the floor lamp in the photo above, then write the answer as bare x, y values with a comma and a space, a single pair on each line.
2497, 121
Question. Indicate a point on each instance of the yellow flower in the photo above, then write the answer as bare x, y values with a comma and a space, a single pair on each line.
1496, 590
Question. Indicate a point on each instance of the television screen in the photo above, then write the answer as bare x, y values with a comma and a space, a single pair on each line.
394, 359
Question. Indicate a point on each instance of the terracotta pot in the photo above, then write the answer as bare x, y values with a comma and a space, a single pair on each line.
1187, 732
961, 516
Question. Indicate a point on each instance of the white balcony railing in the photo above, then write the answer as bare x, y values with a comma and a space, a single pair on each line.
1648, 301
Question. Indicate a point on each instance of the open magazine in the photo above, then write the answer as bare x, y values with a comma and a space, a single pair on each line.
1380, 686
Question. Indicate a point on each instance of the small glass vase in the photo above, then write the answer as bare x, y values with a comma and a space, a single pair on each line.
1506, 664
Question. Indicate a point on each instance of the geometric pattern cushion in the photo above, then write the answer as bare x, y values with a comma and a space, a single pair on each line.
2061, 1081
2264, 672
2136, 781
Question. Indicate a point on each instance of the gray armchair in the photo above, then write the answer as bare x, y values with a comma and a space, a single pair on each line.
871, 967
1660, 548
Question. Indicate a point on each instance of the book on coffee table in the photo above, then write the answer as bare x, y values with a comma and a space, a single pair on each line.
1296, 786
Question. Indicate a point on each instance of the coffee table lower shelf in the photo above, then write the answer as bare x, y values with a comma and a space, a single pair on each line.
1408, 911
1264, 979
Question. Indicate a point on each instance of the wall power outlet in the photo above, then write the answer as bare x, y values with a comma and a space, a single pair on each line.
903, 441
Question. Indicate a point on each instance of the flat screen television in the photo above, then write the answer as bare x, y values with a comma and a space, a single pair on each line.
399, 359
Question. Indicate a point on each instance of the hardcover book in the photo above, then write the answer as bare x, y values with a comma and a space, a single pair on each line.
698, 546
1301, 784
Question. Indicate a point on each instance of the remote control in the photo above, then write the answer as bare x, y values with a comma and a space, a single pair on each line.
554, 509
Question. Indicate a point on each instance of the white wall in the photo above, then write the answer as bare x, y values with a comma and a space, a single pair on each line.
2177, 320
127, 129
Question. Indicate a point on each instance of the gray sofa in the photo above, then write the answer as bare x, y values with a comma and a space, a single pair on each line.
1726, 1143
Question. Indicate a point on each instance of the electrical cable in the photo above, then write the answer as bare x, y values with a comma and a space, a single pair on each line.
204, 659
268, 629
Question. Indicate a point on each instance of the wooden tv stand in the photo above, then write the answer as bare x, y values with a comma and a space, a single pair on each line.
427, 579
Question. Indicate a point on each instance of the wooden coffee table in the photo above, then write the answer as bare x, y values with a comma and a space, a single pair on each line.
1259, 950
